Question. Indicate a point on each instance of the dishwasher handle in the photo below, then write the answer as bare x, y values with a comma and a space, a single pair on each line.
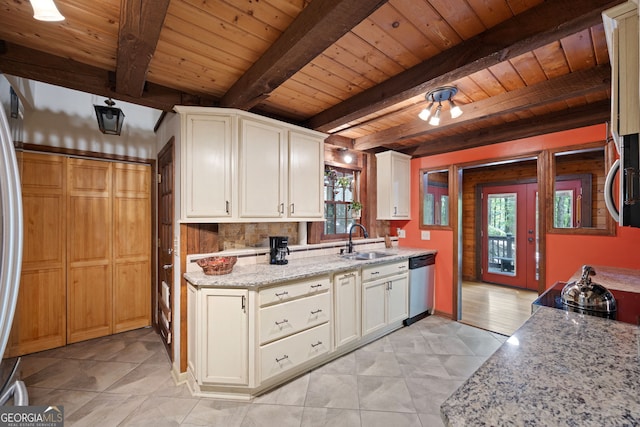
421, 261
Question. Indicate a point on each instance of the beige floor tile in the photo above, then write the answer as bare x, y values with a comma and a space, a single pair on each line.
158, 411
217, 413
71, 400
104, 410
332, 391
328, 417
386, 419
293, 393
379, 364
142, 380
384, 394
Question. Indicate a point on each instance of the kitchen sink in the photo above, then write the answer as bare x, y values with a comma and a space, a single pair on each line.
362, 256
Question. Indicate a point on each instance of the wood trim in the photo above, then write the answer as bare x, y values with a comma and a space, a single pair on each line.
422, 226
545, 188
37, 148
455, 182
525, 32
140, 26
609, 153
547, 92
587, 115
183, 298
317, 27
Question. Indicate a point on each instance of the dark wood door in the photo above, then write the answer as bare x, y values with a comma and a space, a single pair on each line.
509, 235
164, 285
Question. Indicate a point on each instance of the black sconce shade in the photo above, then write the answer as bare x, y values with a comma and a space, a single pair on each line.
110, 118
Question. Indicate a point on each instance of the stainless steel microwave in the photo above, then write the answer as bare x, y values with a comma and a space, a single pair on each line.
623, 197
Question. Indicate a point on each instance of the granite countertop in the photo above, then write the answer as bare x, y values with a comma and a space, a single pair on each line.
622, 279
262, 274
559, 369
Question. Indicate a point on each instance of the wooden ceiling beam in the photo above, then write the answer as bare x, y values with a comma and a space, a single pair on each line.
558, 89
585, 115
534, 28
32, 64
140, 25
317, 27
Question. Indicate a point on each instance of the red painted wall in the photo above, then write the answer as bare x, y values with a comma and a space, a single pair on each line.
565, 253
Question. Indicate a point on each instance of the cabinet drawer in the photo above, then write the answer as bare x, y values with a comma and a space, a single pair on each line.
293, 290
284, 319
377, 271
284, 354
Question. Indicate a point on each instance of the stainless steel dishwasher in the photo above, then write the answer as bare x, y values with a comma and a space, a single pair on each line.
421, 284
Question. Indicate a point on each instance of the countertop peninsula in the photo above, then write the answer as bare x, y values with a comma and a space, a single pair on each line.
559, 369
263, 274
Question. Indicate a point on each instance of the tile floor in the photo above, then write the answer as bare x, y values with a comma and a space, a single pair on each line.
399, 380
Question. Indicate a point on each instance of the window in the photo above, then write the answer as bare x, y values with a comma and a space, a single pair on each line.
340, 192
434, 193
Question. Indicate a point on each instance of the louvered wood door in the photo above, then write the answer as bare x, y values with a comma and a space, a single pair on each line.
131, 246
89, 250
39, 322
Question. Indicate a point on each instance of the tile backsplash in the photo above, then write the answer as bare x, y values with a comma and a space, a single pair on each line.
254, 235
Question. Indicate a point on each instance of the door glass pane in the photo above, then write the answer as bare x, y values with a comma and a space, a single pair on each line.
501, 233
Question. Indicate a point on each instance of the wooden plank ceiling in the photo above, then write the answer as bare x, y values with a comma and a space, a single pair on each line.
358, 70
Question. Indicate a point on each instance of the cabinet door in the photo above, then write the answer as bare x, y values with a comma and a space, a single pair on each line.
262, 153
400, 186
347, 308
39, 320
89, 250
398, 299
131, 246
373, 306
208, 167
224, 323
306, 172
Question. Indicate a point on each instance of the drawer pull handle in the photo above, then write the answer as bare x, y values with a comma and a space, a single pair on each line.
282, 322
349, 275
375, 272
317, 311
316, 344
281, 294
282, 358
319, 285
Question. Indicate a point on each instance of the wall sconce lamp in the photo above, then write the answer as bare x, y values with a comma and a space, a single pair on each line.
46, 10
440, 94
110, 118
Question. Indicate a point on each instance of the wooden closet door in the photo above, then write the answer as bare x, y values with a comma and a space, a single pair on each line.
39, 321
132, 246
89, 250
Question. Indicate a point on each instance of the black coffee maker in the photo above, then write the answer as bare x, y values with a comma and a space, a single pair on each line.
279, 249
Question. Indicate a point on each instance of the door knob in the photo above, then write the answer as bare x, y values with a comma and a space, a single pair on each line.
167, 266
530, 239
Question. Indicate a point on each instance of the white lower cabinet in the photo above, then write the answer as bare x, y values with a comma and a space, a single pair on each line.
242, 342
385, 296
222, 344
287, 353
347, 307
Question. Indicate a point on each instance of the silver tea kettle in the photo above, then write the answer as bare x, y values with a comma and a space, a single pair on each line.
587, 295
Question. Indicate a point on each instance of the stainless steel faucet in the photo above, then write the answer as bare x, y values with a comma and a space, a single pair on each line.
364, 232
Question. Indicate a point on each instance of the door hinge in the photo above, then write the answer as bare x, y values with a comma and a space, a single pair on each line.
159, 179
159, 243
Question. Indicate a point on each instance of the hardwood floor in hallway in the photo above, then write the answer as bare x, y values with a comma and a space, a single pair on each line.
496, 308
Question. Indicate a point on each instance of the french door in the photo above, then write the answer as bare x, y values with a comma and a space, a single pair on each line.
509, 235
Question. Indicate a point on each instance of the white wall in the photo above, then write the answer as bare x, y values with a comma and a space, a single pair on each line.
65, 118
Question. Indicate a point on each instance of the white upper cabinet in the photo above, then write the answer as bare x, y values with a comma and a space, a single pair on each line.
240, 167
262, 169
621, 30
208, 166
394, 185
306, 171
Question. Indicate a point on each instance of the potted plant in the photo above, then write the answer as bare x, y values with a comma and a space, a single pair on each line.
355, 208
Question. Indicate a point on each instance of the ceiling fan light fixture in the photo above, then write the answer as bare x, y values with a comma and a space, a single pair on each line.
110, 118
46, 10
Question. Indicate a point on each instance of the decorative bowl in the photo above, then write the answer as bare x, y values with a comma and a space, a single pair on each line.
217, 265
